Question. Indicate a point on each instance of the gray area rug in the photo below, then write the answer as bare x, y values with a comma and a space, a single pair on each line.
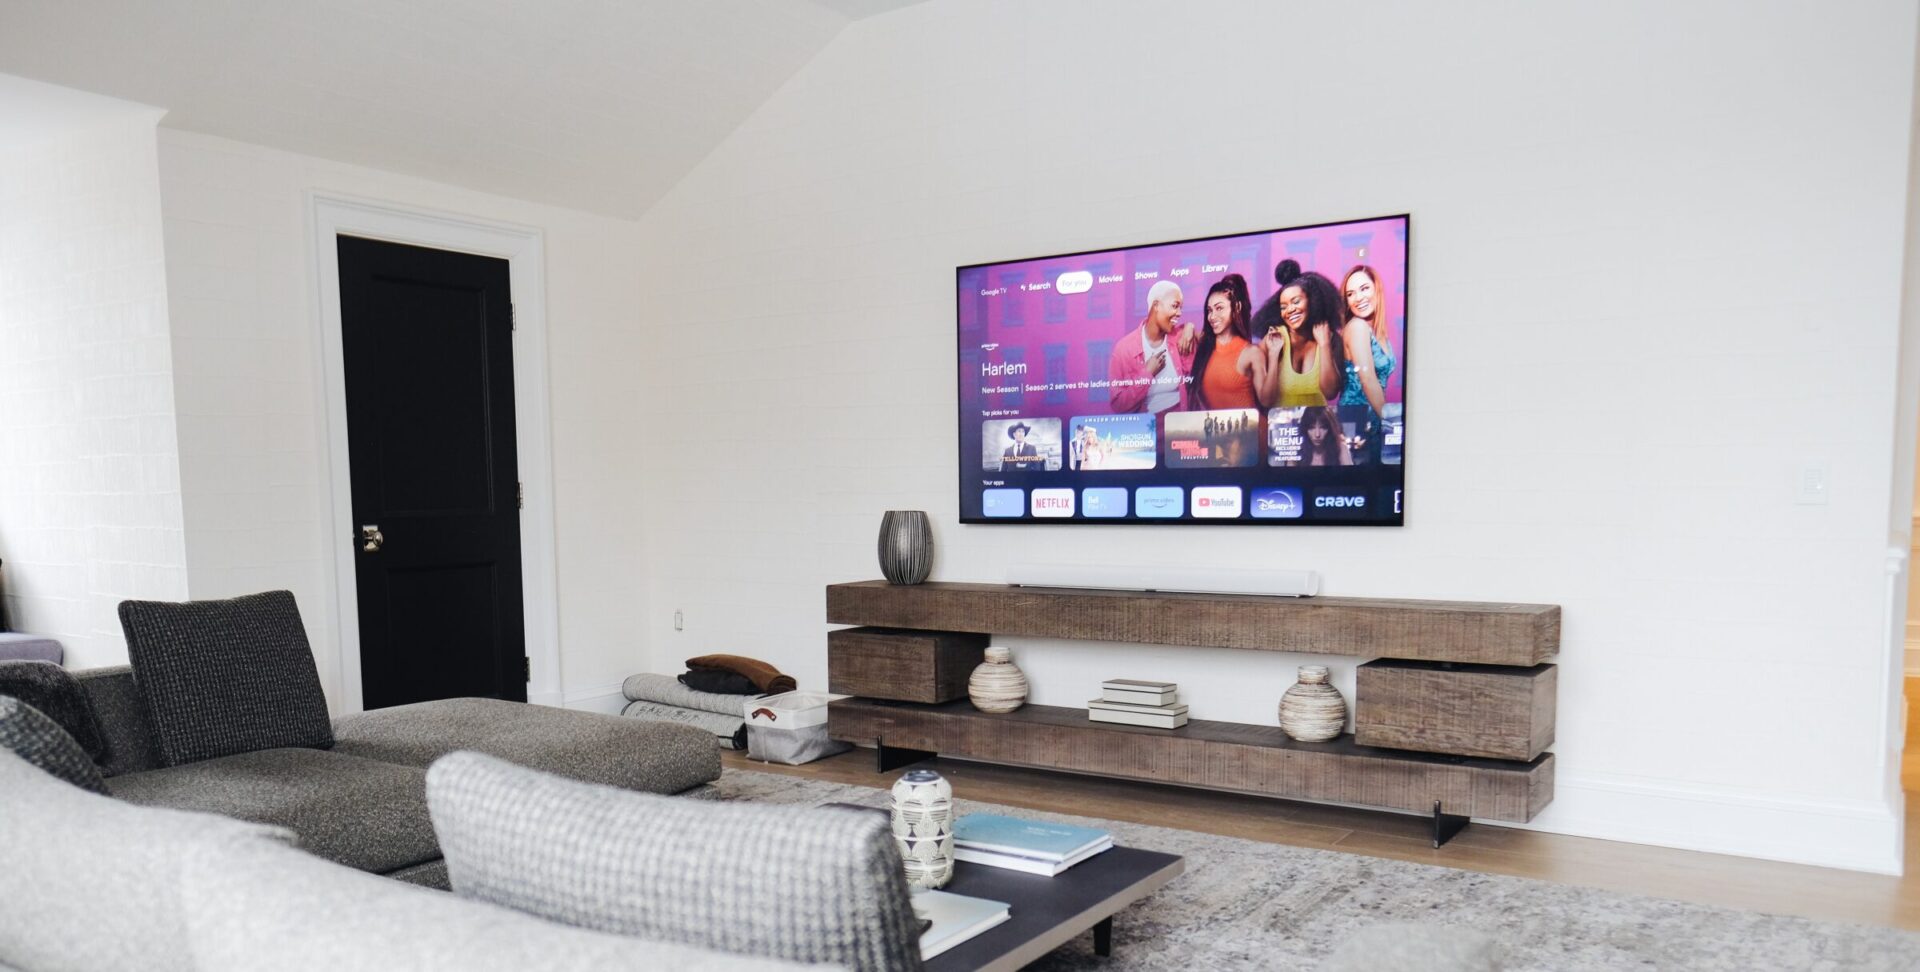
1245, 904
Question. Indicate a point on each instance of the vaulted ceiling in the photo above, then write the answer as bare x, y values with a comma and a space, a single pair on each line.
599, 105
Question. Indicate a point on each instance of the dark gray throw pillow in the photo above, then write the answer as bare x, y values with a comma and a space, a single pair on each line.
225, 677
718, 682
31, 735
58, 695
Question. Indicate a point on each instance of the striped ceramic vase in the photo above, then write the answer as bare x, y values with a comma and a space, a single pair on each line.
1312, 710
906, 546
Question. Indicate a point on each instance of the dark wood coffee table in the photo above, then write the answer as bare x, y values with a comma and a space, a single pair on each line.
1049, 911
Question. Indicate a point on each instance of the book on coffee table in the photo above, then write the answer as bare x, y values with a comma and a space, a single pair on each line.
1025, 845
1045, 867
955, 918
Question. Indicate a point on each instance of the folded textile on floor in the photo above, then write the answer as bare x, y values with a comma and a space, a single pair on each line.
717, 681
667, 690
730, 731
767, 677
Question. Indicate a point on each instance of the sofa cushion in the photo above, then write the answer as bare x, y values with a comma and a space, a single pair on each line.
91, 883
632, 754
31, 735
122, 714
31, 647
58, 695
254, 905
803, 885
224, 677
367, 815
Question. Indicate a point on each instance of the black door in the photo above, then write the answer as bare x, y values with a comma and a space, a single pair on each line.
428, 342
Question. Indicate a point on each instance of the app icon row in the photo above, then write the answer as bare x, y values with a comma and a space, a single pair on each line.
1172, 502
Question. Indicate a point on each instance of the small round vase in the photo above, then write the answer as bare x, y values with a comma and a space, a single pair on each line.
923, 827
1312, 710
906, 546
998, 685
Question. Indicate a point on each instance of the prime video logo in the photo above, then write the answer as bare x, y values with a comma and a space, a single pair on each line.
1277, 504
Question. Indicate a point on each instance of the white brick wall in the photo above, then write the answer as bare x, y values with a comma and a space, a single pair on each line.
1657, 262
89, 467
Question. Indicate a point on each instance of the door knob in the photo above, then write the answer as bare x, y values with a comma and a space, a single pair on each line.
371, 539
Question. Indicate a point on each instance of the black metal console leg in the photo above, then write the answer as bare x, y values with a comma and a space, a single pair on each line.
1103, 938
1446, 825
889, 758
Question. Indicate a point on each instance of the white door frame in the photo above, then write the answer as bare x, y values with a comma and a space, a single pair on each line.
524, 249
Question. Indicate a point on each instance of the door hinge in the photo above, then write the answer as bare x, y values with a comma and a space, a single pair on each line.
526, 668
513, 317
520, 496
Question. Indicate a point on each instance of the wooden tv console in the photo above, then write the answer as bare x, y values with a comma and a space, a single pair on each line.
1453, 682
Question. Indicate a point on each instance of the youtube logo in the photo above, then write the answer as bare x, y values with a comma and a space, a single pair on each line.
1216, 502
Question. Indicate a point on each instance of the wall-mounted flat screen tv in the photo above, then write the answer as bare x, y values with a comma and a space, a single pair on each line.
1254, 379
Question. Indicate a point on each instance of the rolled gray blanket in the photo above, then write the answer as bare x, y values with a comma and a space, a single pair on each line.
667, 690
728, 731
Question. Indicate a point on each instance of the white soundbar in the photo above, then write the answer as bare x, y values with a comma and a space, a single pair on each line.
1195, 580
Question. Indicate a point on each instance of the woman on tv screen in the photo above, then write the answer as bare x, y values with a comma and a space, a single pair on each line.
1303, 362
1227, 368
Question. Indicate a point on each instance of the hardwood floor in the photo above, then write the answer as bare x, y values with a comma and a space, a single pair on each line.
1738, 882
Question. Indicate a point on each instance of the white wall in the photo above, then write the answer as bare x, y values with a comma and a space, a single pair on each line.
90, 509
252, 441
1657, 262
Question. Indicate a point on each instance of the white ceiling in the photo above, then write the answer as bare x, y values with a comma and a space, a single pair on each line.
599, 105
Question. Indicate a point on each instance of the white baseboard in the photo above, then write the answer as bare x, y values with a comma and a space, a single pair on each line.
1856, 835
598, 698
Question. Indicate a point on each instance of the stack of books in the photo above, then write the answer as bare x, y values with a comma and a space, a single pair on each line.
1135, 703
1025, 845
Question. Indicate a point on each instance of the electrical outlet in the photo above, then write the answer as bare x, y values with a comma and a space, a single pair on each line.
1812, 484
679, 621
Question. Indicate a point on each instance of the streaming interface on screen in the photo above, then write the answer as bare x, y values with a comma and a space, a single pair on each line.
1254, 379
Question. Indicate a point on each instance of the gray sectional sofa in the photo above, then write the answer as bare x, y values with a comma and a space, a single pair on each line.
95, 884
362, 803
197, 810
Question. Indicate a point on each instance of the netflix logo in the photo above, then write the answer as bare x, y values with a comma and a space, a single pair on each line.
1053, 502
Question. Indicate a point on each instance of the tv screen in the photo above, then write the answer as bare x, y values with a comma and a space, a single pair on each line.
1255, 379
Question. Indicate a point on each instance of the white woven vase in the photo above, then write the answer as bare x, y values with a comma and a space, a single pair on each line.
923, 827
998, 685
1312, 710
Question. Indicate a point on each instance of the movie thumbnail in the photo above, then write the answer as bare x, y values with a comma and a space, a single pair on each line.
1098, 442
1393, 433
1225, 437
1312, 435
1020, 445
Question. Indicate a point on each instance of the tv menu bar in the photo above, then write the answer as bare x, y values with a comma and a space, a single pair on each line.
1198, 502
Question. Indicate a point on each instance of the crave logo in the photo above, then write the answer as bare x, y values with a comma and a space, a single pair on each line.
1340, 504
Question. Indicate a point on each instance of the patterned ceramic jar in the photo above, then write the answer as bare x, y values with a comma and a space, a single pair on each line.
923, 827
